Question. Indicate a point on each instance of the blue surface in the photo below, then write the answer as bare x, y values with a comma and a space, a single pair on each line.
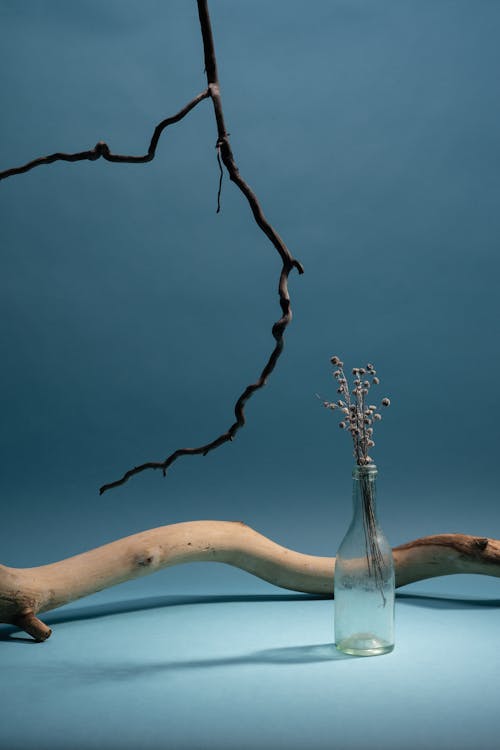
370, 133
254, 671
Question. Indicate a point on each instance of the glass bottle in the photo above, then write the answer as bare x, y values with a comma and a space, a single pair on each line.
364, 576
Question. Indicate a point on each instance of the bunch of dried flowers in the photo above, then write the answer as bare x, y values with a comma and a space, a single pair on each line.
358, 415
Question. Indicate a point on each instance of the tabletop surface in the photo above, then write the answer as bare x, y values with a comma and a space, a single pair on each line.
253, 670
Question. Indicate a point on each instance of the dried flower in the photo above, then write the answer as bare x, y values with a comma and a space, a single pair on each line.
357, 416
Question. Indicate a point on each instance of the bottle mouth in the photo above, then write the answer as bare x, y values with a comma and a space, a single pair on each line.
366, 470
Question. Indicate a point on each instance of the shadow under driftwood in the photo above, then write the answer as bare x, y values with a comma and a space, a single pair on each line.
91, 612
94, 611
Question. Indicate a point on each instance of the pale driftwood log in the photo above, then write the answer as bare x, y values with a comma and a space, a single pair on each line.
24, 593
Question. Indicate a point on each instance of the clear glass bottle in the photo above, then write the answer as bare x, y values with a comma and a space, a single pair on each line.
364, 576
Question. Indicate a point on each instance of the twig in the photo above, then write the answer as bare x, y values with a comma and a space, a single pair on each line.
102, 149
289, 262
221, 177
224, 154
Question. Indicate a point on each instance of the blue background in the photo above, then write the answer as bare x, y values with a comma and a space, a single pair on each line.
132, 316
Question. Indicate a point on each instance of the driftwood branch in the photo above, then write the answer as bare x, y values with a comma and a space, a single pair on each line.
24, 593
225, 156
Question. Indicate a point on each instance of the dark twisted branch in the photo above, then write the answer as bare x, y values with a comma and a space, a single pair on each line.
226, 155
102, 149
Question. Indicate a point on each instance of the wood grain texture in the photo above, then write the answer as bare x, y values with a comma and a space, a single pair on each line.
24, 593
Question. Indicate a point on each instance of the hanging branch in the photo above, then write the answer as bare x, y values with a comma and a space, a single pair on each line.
225, 155
102, 149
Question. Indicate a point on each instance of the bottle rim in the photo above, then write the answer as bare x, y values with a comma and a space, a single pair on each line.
367, 469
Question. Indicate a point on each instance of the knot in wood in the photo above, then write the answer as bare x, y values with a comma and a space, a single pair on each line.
481, 543
101, 149
147, 559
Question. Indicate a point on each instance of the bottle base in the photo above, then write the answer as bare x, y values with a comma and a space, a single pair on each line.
364, 644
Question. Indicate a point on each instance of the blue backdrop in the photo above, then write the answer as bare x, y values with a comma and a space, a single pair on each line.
132, 316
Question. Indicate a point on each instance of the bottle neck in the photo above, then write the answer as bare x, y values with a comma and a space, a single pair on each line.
364, 489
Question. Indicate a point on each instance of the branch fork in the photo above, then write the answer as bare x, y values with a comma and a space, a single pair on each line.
226, 158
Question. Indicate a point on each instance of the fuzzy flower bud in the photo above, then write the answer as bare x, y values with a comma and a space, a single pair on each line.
356, 416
